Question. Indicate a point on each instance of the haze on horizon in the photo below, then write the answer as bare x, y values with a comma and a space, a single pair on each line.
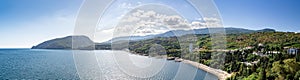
24, 24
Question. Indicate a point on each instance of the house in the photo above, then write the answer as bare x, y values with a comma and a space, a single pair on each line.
249, 47
261, 47
293, 51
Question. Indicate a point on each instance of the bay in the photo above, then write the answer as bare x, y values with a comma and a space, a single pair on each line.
60, 64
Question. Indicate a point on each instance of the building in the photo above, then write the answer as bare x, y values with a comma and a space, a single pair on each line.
292, 51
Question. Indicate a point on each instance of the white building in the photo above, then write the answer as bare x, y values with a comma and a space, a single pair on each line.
292, 51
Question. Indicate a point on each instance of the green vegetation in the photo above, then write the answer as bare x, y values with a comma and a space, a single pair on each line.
271, 39
69, 42
252, 56
170, 44
249, 55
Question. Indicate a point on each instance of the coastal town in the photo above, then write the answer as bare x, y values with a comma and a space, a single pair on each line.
245, 57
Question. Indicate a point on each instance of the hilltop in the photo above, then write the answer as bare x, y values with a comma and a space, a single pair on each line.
79, 42
83, 42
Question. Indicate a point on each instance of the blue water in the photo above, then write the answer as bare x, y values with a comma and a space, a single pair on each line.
60, 64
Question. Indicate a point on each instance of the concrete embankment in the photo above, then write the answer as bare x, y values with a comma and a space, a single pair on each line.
222, 75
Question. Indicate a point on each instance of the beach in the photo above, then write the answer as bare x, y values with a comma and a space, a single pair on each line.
222, 75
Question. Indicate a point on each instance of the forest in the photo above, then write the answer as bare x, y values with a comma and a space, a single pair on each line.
248, 56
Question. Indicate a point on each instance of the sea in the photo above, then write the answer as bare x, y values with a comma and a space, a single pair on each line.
92, 65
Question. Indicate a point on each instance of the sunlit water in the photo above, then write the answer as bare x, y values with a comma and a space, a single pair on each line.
59, 64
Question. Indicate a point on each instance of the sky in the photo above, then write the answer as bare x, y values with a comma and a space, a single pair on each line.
27, 23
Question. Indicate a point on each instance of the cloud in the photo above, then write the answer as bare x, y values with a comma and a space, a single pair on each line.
104, 35
125, 5
147, 22
212, 22
113, 15
139, 3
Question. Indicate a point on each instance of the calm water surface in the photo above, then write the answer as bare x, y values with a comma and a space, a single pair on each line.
59, 64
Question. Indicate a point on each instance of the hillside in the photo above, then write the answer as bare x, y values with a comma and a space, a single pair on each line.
79, 42
282, 39
242, 63
83, 42
178, 33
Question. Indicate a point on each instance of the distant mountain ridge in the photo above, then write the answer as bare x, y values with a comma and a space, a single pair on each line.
185, 32
83, 42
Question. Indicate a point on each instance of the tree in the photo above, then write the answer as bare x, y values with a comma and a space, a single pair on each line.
297, 76
262, 74
252, 77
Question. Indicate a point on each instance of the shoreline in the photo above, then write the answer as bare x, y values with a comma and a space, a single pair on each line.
222, 75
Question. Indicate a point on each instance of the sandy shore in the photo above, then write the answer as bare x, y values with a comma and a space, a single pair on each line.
222, 75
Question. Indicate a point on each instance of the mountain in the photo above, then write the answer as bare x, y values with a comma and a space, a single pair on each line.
79, 42
205, 31
266, 30
133, 38
83, 42
185, 32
